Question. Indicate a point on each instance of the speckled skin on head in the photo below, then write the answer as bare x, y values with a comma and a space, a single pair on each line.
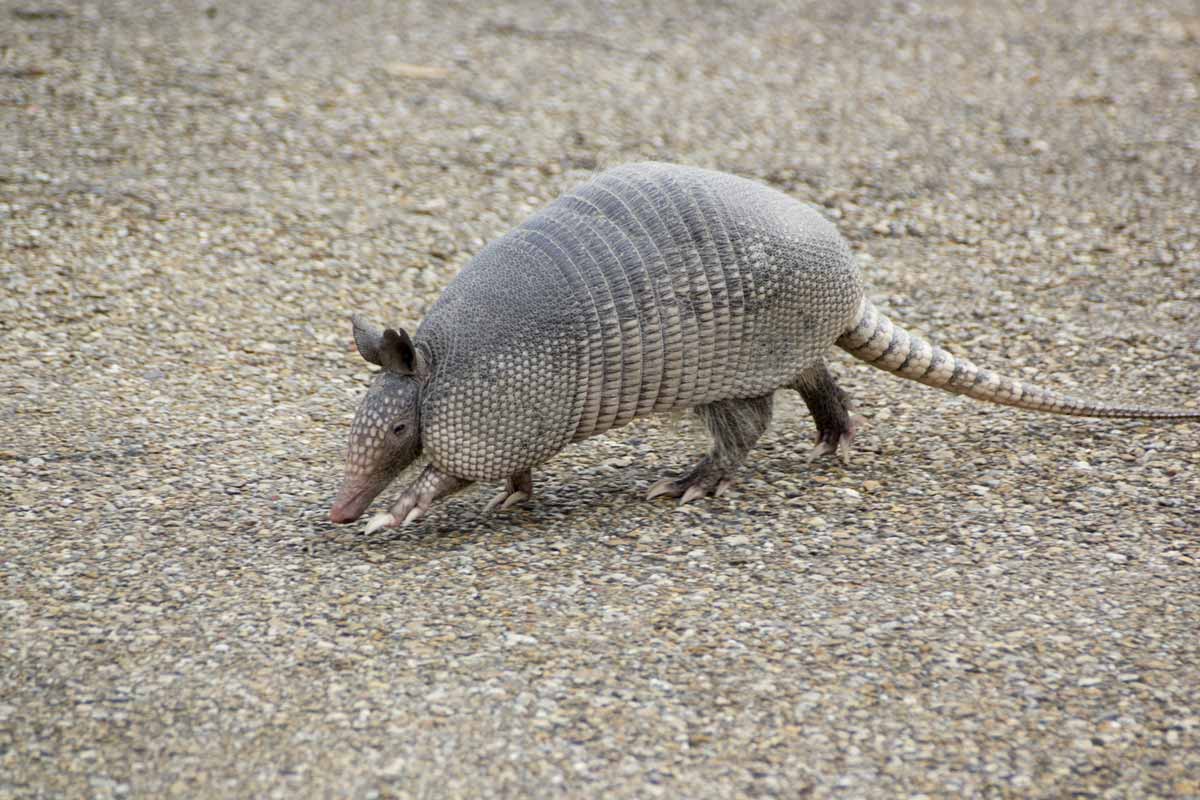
386, 434
650, 288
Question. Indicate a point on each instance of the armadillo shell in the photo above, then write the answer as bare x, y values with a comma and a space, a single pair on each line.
650, 288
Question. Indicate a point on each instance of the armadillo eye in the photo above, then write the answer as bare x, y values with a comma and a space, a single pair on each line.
399, 429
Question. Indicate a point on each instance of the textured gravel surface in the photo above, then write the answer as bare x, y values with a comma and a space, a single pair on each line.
193, 199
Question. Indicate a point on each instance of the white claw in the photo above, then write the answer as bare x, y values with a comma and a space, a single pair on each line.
694, 491
662, 486
818, 450
843, 448
381, 520
513, 499
413, 515
504, 500
722, 487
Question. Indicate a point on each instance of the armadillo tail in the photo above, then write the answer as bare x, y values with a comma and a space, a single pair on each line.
875, 339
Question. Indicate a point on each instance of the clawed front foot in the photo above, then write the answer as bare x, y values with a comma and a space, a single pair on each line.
517, 489
836, 439
415, 501
704, 479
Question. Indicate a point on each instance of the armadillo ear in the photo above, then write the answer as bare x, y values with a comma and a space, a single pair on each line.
396, 353
368, 339
390, 348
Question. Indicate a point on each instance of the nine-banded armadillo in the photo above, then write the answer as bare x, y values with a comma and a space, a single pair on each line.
650, 288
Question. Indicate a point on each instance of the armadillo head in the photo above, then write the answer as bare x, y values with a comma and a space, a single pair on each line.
386, 434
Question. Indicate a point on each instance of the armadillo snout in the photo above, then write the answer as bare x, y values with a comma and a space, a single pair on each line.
360, 486
353, 499
343, 513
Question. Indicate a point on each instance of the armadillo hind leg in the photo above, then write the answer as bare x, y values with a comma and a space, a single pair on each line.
412, 504
735, 426
517, 489
830, 408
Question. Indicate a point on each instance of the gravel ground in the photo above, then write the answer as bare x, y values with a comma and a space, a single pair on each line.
193, 199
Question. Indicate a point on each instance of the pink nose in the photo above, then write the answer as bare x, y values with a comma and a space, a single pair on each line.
340, 515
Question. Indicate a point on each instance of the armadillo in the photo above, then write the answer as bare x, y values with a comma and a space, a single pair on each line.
650, 288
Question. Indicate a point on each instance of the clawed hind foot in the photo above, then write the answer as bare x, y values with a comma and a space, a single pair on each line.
836, 439
735, 426
830, 409
704, 479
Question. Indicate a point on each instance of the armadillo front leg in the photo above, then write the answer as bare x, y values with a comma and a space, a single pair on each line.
517, 489
413, 502
735, 426
830, 409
